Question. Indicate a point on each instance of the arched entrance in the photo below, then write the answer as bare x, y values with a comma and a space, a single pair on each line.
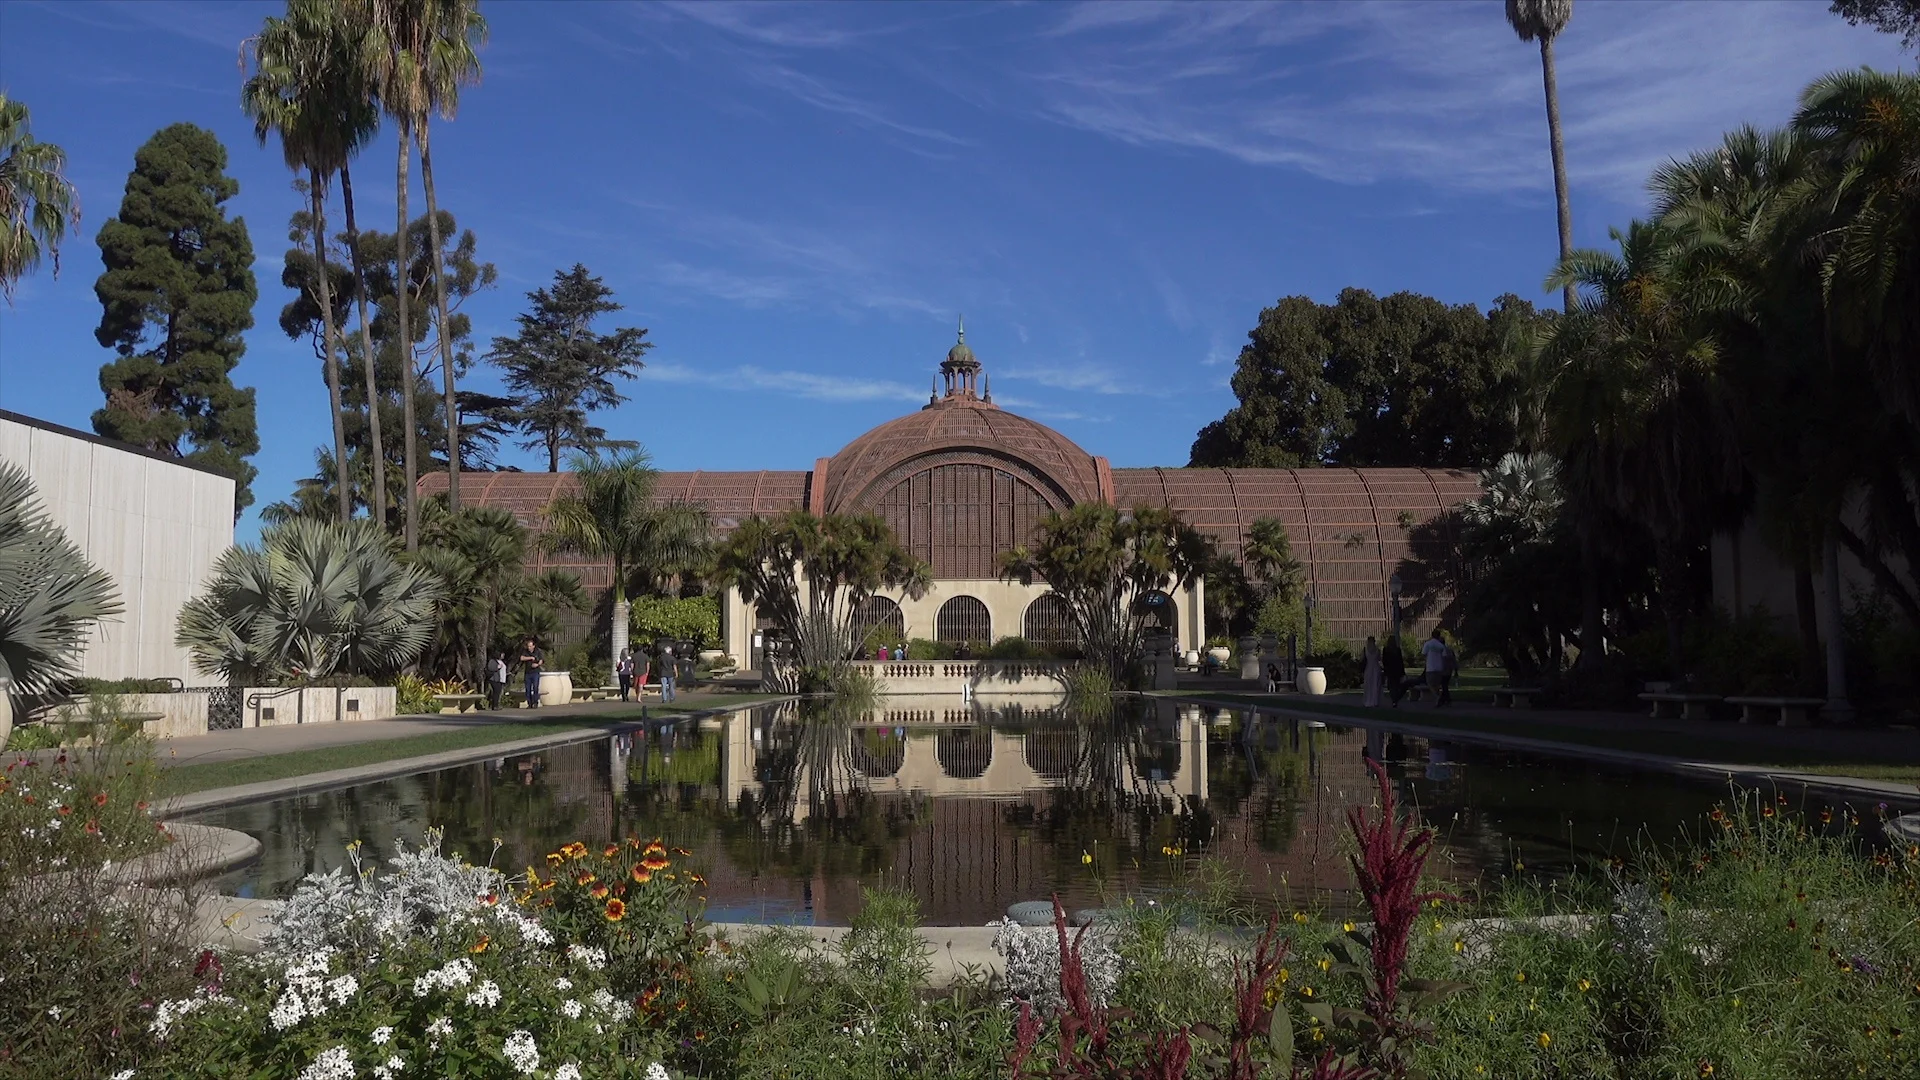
963, 620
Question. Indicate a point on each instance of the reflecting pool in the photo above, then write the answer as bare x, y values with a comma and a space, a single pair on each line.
975, 806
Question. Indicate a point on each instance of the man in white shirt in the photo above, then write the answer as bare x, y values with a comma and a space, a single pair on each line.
1435, 650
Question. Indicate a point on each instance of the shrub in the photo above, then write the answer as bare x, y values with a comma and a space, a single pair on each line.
921, 649
125, 686
685, 618
1343, 668
1013, 648
411, 696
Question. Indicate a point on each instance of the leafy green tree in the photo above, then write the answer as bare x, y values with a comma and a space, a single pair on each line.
1099, 560
420, 53
50, 596
478, 555
681, 618
1887, 16
314, 598
37, 201
1396, 380
561, 370
177, 295
810, 575
611, 513
1542, 21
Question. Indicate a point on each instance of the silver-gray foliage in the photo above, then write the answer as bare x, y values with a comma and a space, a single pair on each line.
50, 595
314, 598
1032, 964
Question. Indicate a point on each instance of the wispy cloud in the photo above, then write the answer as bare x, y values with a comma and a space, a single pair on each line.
810, 385
1082, 378
1442, 93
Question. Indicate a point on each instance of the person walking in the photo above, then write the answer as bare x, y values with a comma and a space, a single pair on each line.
1449, 668
1393, 665
623, 671
496, 680
666, 672
1370, 672
1435, 652
530, 660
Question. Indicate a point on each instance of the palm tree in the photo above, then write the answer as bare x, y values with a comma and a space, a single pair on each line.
1268, 553
37, 202
1542, 21
424, 51
612, 515
297, 91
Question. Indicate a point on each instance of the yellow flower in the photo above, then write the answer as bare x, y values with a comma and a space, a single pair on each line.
481, 945
1586, 986
1459, 946
1285, 974
1546, 1040
1325, 963
1300, 917
1306, 991
1438, 926
1086, 859
1347, 926
1519, 976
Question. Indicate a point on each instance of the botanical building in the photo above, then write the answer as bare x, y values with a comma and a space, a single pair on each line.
963, 480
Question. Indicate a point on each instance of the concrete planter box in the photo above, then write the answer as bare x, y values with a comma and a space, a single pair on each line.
185, 713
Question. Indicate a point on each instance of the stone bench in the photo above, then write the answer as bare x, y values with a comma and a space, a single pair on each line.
1673, 706
1792, 711
1514, 697
455, 704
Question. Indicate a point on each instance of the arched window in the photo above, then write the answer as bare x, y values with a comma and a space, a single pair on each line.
875, 752
877, 613
964, 752
963, 619
1047, 622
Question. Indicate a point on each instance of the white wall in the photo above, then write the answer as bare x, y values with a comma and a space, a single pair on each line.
155, 526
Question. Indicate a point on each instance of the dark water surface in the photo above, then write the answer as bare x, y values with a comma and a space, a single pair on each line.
973, 807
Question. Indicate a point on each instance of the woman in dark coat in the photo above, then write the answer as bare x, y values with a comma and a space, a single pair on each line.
1393, 663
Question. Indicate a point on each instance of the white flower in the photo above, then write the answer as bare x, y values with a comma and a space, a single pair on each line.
54, 1011
601, 999
521, 1053
571, 1008
389, 1070
439, 1029
657, 1071
381, 1035
588, 955
333, 1064
453, 973
569, 1071
288, 1011
167, 1012
563, 983
123, 1074
342, 989
486, 995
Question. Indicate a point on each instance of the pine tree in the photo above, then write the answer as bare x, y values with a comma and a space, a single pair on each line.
561, 369
176, 296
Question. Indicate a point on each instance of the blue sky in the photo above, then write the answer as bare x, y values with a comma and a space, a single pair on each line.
798, 200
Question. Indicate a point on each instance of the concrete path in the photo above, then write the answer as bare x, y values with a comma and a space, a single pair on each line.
1423, 719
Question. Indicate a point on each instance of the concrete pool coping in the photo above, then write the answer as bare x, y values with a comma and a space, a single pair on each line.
1842, 786
334, 779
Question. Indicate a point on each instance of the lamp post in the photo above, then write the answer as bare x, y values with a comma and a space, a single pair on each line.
1393, 585
1311, 602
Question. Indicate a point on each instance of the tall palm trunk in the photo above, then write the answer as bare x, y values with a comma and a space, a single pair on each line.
620, 632
318, 194
403, 302
1806, 611
378, 506
1565, 206
440, 310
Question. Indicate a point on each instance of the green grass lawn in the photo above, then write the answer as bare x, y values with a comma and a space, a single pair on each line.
1895, 763
187, 779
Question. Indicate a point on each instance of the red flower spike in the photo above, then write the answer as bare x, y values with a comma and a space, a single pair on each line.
1391, 859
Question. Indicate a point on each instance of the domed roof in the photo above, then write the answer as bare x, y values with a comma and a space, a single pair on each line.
963, 427
960, 430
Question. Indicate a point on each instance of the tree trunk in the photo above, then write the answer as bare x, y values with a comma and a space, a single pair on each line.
1807, 615
440, 309
622, 621
317, 194
1565, 204
1593, 624
402, 304
553, 454
376, 447
1671, 566
1838, 709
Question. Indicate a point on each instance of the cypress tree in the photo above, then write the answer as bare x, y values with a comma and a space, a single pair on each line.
176, 296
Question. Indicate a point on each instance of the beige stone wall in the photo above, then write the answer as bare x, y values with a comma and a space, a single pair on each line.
155, 526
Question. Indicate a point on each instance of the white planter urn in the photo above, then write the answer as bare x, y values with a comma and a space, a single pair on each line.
1313, 680
1220, 653
712, 657
556, 687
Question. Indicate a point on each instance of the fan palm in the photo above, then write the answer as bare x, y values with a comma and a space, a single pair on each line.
1542, 21
303, 89
611, 514
1268, 553
50, 596
422, 52
313, 599
37, 202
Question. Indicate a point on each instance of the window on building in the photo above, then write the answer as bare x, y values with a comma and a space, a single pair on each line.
879, 622
1047, 622
961, 620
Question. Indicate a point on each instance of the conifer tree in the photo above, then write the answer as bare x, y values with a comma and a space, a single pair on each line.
177, 294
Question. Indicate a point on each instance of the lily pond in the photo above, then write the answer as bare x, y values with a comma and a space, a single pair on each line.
975, 806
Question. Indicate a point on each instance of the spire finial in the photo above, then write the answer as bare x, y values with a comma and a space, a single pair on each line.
963, 329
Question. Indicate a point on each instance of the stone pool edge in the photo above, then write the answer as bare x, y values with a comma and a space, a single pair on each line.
333, 779
1843, 786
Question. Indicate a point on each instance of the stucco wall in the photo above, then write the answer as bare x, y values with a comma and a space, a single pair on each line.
155, 526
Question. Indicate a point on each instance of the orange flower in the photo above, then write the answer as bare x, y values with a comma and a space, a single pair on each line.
490, 899
696, 879
141, 806
584, 877
682, 852
598, 892
65, 810
100, 799
554, 858
656, 848
93, 828
481, 945
651, 995
633, 841
611, 850
616, 910
642, 875
656, 862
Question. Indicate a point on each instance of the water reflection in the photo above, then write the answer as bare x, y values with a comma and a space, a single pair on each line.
975, 807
